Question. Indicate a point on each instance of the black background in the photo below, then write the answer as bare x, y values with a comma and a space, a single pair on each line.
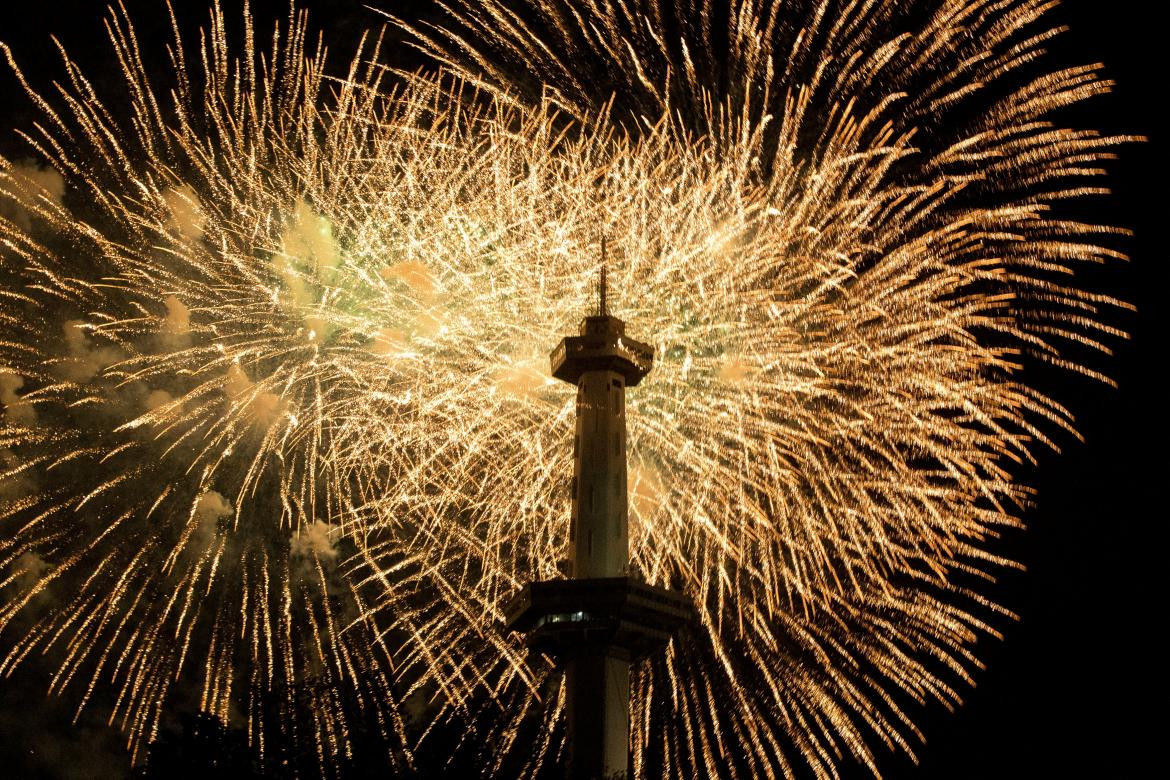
1077, 687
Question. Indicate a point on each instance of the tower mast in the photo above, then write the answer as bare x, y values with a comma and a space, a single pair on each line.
599, 621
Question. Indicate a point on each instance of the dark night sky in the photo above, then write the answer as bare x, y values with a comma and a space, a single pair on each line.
1064, 695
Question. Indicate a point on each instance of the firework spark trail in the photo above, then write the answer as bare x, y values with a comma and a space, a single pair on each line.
290, 362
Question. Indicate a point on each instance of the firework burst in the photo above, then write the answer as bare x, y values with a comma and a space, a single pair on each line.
177, 341
277, 406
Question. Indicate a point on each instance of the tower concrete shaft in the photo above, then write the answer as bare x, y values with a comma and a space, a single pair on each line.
598, 685
599, 533
597, 700
601, 360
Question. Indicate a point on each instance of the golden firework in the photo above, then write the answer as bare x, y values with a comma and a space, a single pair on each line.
277, 407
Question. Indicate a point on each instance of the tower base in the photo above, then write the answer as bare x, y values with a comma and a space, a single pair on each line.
595, 628
597, 699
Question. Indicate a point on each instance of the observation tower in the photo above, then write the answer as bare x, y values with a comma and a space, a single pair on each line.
600, 620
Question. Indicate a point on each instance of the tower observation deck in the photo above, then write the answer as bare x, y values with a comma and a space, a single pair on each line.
600, 619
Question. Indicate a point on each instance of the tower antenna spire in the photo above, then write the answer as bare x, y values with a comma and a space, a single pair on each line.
602, 308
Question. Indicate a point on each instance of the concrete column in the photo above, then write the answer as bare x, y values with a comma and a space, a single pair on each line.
599, 534
598, 701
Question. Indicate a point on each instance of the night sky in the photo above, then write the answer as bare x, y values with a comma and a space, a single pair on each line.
1063, 695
